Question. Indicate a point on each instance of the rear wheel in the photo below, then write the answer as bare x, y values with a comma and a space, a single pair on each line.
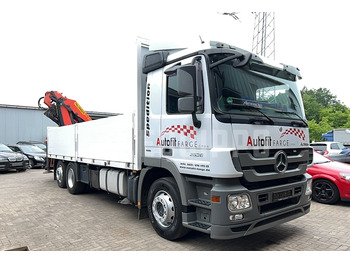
164, 209
325, 191
60, 173
73, 185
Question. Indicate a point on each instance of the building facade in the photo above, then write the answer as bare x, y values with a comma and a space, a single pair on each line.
24, 123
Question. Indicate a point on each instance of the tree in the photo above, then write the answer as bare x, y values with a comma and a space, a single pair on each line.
323, 96
317, 129
324, 112
312, 107
334, 117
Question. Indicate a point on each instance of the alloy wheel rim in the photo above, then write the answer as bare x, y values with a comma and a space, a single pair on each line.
163, 209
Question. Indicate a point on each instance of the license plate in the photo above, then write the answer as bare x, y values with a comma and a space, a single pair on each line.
17, 164
278, 196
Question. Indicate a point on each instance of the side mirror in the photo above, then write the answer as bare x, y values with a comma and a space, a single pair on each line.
186, 77
186, 81
185, 105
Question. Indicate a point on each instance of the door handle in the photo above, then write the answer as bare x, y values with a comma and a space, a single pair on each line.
167, 152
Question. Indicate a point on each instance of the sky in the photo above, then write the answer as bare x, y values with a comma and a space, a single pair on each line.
76, 47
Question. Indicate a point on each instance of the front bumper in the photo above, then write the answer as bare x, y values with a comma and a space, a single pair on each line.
271, 206
18, 165
244, 229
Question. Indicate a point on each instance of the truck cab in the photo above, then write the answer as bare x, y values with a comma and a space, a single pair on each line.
234, 128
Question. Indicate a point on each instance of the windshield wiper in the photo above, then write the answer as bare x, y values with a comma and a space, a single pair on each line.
293, 113
255, 107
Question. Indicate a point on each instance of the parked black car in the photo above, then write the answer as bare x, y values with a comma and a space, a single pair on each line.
11, 160
37, 156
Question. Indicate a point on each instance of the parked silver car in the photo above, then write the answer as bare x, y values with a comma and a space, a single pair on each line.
328, 148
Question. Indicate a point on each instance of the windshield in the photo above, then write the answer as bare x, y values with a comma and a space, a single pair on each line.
4, 148
41, 146
31, 149
337, 146
268, 89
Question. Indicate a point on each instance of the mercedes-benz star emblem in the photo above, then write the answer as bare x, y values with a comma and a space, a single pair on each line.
281, 164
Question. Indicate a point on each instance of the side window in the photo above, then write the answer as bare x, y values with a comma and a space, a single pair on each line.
173, 95
334, 146
15, 149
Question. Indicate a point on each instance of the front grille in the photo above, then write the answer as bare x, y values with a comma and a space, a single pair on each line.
297, 190
277, 199
263, 198
278, 205
260, 165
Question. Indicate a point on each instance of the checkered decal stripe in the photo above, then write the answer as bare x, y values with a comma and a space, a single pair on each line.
294, 131
187, 131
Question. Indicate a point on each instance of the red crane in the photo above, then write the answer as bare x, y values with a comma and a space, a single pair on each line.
62, 110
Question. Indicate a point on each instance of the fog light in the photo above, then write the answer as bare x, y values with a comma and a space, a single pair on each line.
238, 202
236, 217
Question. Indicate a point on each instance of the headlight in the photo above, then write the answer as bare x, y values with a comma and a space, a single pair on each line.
25, 157
308, 190
39, 158
345, 176
238, 202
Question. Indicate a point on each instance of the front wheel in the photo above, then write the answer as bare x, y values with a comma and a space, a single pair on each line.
31, 164
324, 191
164, 209
73, 185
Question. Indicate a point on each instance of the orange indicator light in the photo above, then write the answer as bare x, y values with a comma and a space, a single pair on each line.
215, 199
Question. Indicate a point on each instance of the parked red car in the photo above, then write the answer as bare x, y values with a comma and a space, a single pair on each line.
330, 180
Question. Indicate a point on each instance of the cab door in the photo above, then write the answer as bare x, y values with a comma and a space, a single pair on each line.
185, 126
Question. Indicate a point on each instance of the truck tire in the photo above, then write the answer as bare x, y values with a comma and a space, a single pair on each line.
325, 191
60, 174
73, 185
165, 209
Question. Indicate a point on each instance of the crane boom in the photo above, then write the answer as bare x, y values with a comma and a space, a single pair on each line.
62, 110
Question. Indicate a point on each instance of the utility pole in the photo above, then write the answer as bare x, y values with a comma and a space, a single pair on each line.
264, 34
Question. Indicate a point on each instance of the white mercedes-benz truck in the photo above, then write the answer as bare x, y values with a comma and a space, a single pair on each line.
213, 139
